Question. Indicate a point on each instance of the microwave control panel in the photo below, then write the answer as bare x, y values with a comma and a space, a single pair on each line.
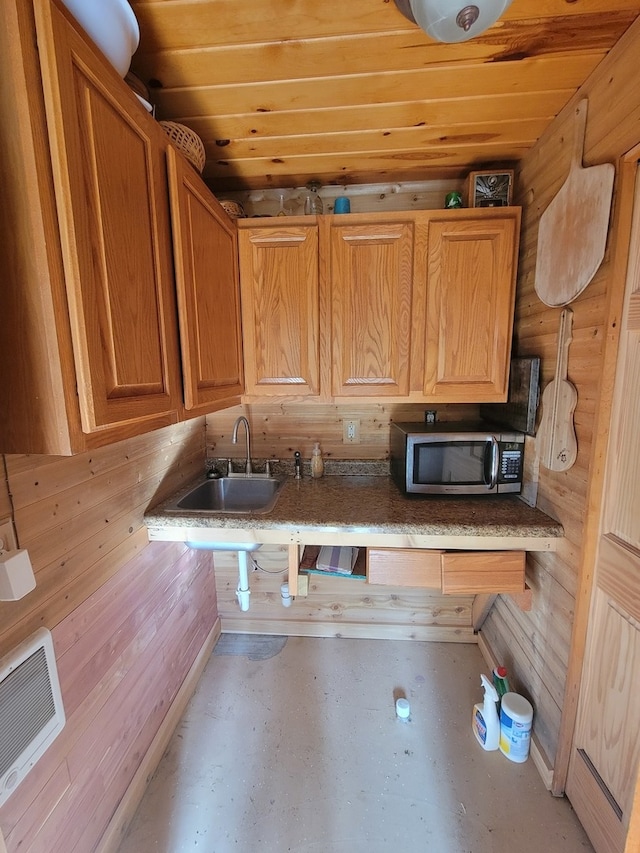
511, 461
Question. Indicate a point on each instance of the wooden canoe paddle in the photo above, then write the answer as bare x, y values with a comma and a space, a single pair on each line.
556, 439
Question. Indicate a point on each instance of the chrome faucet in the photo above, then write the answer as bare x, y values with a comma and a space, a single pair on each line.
234, 438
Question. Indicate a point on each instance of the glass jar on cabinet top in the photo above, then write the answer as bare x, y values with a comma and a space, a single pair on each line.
313, 202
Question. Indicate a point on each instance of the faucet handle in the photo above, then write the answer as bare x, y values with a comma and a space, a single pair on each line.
267, 466
229, 467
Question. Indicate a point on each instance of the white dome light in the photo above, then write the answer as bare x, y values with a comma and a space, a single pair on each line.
453, 20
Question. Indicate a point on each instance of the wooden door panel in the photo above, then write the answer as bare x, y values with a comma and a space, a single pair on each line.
623, 513
604, 770
205, 251
619, 574
371, 284
603, 825
611, 700
280, 309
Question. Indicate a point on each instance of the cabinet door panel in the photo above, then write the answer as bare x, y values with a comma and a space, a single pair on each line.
371, 278
205, 246
110, 183
470, 298
280, 309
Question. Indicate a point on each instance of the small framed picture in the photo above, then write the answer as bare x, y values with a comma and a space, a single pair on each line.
490, 188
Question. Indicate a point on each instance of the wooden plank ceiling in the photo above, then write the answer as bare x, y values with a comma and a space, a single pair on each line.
284, 91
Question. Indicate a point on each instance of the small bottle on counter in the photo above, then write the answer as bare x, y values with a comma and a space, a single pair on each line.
317, 463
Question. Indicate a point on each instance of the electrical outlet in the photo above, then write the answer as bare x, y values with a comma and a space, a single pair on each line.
8, 541
350, 432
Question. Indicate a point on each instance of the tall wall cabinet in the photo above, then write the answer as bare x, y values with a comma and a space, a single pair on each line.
414, 306
206, 260
91, 352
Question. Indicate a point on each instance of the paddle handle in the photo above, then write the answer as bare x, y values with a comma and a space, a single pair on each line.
565, 336
579, 131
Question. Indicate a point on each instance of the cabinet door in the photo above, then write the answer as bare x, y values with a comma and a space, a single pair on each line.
205, 252
470, 293
280, 308
110, 183
370, 279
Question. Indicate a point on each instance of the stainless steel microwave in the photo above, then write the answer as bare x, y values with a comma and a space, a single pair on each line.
456, 458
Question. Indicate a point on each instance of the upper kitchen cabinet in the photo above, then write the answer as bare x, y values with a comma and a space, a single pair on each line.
109, 175
469, 293
90, 349
279, 282
205, 251
369, 275
414, 306
91, 352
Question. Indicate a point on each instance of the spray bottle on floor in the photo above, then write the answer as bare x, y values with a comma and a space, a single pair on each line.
485, 723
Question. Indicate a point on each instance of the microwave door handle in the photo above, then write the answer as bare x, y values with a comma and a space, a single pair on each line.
495, 461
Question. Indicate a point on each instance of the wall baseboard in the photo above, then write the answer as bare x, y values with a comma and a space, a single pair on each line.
115, 831
538, 756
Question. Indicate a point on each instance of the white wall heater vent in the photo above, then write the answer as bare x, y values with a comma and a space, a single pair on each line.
31, 711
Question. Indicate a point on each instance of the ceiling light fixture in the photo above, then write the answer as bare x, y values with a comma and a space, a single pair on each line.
453, 20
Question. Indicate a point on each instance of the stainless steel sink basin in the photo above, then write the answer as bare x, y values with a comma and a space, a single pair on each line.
231, 494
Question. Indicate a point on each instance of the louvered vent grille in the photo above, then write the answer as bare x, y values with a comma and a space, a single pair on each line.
31, 712
26, 706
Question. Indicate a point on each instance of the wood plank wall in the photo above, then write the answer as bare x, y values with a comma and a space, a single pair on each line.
128, 618
279, 429
337, 606
334, 606
537, 646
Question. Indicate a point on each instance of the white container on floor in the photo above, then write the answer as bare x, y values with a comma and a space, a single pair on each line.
516, 716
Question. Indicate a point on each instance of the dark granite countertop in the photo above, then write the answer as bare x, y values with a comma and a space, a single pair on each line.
371, 505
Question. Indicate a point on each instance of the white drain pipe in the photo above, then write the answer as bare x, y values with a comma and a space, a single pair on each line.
243, 592
242, 550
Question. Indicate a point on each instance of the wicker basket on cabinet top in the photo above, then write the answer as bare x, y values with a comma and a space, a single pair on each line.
187, 141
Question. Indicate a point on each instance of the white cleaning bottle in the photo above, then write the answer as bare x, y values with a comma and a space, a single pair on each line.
485, 722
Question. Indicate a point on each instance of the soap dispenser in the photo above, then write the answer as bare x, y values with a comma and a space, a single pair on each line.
317, 464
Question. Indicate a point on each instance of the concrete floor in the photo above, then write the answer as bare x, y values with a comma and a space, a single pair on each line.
294, 745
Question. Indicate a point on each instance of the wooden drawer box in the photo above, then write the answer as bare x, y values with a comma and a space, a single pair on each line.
470, 572
404, 567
